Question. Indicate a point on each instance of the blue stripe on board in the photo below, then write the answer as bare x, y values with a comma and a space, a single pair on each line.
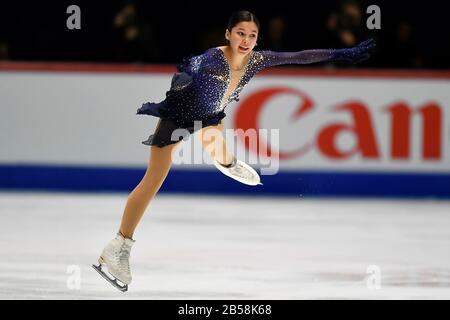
299, 183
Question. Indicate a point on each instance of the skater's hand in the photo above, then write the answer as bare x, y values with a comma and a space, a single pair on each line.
356, 54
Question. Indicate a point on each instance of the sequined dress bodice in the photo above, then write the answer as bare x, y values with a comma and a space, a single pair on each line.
203, 86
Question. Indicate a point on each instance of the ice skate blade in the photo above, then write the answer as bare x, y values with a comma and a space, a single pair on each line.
113, 282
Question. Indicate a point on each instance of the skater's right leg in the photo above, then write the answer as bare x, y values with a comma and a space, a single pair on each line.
117, 252
158, 167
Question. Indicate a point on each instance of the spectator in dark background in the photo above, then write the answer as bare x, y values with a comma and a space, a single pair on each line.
276, 33
4, 50
404, 52
134, 39
346, 27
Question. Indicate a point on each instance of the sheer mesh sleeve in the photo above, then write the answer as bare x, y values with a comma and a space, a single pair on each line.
353, 55
273, 58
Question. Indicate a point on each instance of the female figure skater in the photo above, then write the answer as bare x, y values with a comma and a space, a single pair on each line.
201, 89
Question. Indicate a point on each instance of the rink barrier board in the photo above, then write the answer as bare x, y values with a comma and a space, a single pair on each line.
286, 183
293, 184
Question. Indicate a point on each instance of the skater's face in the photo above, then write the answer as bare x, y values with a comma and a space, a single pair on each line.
242, 37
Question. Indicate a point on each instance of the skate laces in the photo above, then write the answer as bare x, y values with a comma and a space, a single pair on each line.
238, 170
241, 171
123, 255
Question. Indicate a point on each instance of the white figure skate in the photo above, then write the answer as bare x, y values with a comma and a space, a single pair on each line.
115, 257
240, 171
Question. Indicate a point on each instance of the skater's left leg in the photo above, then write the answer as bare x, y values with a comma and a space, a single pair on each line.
158, 167
214, 143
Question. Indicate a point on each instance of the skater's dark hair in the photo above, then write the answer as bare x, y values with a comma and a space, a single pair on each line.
240, 16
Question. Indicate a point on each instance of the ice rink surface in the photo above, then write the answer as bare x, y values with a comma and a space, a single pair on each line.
210, 247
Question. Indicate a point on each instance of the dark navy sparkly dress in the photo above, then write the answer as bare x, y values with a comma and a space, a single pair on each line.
197, 91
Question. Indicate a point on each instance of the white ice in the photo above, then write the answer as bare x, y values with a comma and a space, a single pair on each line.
210, 247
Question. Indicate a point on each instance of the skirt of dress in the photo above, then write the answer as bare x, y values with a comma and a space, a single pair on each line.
171, 130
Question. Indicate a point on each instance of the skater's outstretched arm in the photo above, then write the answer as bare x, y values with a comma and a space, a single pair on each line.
353, 55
